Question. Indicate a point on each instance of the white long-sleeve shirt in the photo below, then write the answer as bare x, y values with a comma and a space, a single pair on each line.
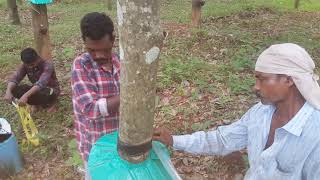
294, 154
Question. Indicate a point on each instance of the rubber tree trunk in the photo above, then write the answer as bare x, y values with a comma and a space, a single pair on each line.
296, 4
41, 30
140, 39
13, 11
109, 5
196, 12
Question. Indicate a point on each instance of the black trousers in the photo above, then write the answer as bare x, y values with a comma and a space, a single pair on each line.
44, 97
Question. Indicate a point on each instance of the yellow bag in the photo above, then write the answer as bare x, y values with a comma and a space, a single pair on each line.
27, 124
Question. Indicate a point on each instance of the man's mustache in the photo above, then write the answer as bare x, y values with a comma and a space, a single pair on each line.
258, 95
99, 60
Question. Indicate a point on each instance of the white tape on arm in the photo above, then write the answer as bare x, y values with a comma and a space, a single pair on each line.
103, 106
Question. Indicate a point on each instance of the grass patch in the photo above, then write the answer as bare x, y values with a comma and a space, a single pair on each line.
3, 4
180, 11
67, 24
176, 11
75, 158
10, 50
176, 70
227, 7
240, 85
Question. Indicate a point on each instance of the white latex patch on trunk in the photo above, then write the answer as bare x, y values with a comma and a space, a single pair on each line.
152, 55
119, 14
121, 52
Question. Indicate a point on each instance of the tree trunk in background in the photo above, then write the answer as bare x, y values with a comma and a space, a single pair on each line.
140, 38
196, 12
109, 5
20, 2
13, 11
41, 30
296, 3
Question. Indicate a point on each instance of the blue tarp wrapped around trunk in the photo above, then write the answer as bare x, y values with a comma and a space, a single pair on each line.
105, 163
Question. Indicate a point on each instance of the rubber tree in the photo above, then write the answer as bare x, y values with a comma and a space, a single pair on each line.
109, 5
296, 4
196, 12
140, 41
40, 27
13, 11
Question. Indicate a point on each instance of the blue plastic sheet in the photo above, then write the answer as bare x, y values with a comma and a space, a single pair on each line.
105, 163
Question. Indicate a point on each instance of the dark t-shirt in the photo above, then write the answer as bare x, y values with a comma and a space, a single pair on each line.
42, 75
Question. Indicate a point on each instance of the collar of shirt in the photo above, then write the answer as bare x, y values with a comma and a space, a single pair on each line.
94, 65
97, 66
296, 124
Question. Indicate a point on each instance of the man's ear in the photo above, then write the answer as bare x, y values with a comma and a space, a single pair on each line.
113, 37
290, 81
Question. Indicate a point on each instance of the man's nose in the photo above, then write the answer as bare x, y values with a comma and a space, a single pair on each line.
256, 87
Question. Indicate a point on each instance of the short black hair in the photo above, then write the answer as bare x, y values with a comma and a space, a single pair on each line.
96, 25
29, 55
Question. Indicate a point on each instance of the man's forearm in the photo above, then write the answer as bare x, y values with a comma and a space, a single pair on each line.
32, 91
200, 143
10, 87
108, 105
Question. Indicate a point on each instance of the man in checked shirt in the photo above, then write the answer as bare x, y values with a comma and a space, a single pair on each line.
95, 84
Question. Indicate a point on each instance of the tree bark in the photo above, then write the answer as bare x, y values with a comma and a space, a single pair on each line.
109, 5
140, 38
296, 4
196, 12
41, 30
13, 12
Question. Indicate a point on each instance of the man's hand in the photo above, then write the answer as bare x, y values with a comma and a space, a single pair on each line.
163, 135
23, 100
8, 97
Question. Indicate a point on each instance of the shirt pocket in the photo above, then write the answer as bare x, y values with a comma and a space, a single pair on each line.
285, 165
282, 175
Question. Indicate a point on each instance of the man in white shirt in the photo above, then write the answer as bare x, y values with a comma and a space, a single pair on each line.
281, 133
